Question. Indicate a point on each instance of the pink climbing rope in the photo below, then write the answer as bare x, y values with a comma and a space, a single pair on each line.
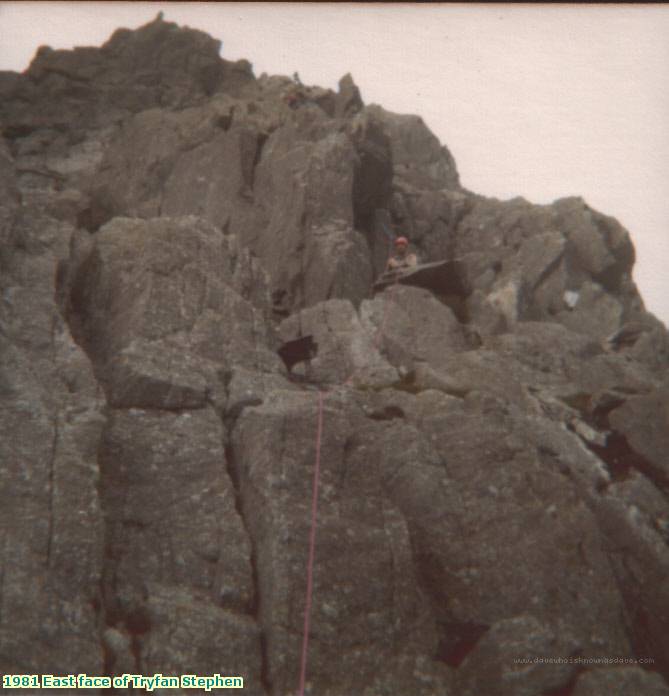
314, 518
312, 547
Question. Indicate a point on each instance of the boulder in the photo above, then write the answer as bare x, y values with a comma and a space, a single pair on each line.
348, 100
345, 349
490, 480
644, 422
159, 64
518, 657
418, 157
413, 326
156, 308
310, 245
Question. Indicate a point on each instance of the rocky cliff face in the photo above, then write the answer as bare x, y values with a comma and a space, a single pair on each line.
494, 472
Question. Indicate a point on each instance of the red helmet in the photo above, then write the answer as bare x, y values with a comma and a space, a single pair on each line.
401, 240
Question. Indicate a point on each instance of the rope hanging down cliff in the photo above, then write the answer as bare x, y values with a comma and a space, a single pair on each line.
314, 506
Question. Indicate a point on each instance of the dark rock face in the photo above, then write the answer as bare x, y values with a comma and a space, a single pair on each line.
160, 64
186, 259
51, 419
166, 578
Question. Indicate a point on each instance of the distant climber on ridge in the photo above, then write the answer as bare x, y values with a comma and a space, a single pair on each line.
402, 258
297, 94
444, 278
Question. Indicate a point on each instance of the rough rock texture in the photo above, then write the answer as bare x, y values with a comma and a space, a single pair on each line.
177, 556
186, 260
365, 579
626, 680
51, 418
345, 350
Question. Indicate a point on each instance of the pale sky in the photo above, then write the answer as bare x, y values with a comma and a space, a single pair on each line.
539, 101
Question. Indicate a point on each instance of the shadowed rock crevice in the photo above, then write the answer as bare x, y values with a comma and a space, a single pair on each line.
114, 620
71, 294
373, 173
253, 607
620, 459
138, 624
457, 641
387, 413
261, 139
614, 448
51, 493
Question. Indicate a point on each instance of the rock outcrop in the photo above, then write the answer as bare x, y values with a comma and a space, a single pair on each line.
186, 261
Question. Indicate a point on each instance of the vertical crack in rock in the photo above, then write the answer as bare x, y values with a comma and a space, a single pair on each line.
230, 466
112, 619
372, 175
254, 607
72, 307
109, 614
51, 492
51, 466
108, 657
137, 624
2, 577
261, 139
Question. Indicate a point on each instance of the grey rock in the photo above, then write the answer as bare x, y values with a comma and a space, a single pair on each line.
597, 313
158, 64
639, 558
178, 557
619, 681
311, 248
117, 645
534, 255
189, 635
347, 350
493, 473
157, 309
518, 656
358, 528
51, 418
644, 421
348, 100
523, 499
413, 326
418, 158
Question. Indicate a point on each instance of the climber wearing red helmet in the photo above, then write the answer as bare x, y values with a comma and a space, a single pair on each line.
402, 259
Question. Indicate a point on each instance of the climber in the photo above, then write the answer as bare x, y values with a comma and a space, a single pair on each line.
402, 259
294, 98
295, 94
